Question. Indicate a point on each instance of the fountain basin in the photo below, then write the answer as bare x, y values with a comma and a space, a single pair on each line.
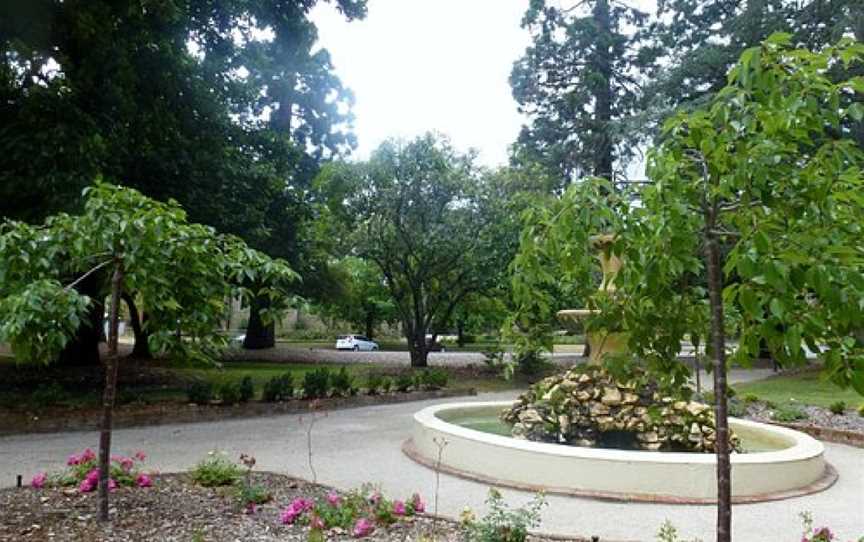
785, 463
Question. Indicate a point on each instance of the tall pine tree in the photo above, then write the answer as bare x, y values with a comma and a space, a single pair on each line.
579, 84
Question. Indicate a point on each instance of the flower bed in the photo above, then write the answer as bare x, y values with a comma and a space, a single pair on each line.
175, 508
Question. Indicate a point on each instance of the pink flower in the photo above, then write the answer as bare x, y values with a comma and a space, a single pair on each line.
250, 508
73, 459
362, 528
143, 480
86, 486
399, 508
317, 523
289, 515
87, 455
296, 509
140, 456
112, 484
92, 476
417, 503
375, 498
333, 499
38, 481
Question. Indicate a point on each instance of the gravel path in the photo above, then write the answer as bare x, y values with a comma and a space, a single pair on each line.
361, 445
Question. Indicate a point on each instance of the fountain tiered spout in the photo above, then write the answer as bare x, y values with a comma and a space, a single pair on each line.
601, 341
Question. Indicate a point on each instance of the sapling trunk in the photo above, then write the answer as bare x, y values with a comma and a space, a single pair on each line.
111, 364
718, 347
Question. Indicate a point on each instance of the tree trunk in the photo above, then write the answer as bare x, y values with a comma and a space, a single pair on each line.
141, 350
83, 349
370, 323
460, 332
718, 345
111, 365
603, 91
258, 334
419, 349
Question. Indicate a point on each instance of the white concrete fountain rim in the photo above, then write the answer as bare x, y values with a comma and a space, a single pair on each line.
803, 446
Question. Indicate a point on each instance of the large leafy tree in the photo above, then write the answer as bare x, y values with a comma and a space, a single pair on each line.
699, 41
579, 85
419, 212
361, 298
770, 171
223, 106
186, 271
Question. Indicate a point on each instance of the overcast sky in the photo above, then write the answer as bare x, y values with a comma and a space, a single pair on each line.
443, 65
419, 65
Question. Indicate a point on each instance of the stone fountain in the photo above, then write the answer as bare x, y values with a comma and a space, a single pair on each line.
601, 341
584, 432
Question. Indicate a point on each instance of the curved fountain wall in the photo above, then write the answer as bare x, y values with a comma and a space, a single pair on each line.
799, 468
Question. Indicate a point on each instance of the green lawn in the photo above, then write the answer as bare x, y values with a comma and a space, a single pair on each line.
803, 388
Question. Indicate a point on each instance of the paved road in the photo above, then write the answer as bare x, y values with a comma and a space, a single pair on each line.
361, 445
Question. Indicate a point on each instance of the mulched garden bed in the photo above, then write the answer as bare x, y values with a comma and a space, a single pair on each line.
176, 509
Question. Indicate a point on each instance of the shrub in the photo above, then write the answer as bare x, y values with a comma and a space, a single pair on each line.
247, 389
751, 398
342, 382
279, 388
387, 384
316, 383
736, 408
374, 382
494, 356
247, 493
531, 363
229, 392
404, 381
83, 471
48, 395
433, 379
200, 392
669, 533
356, 512
502, 524
216, 470
838, 407
788, 414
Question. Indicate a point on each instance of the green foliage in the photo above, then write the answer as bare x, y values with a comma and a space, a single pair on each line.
200, 392
669, 533
570, 85
432, 379
861, 410
751, 398
317, 383
216, 470
247, 389
186, 272
374, 382
404, 381
501, 524
425, 216
50, 394
388, 384
342, 382
789, 414
228, 392
792, 272
838, 408
279, 388
247, 493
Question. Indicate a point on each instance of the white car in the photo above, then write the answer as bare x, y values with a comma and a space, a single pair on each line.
355, 343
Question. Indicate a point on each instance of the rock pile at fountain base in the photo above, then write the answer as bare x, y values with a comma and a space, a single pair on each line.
587, 406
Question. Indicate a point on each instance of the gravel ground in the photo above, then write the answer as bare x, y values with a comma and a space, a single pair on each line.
175, 509
818, 416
